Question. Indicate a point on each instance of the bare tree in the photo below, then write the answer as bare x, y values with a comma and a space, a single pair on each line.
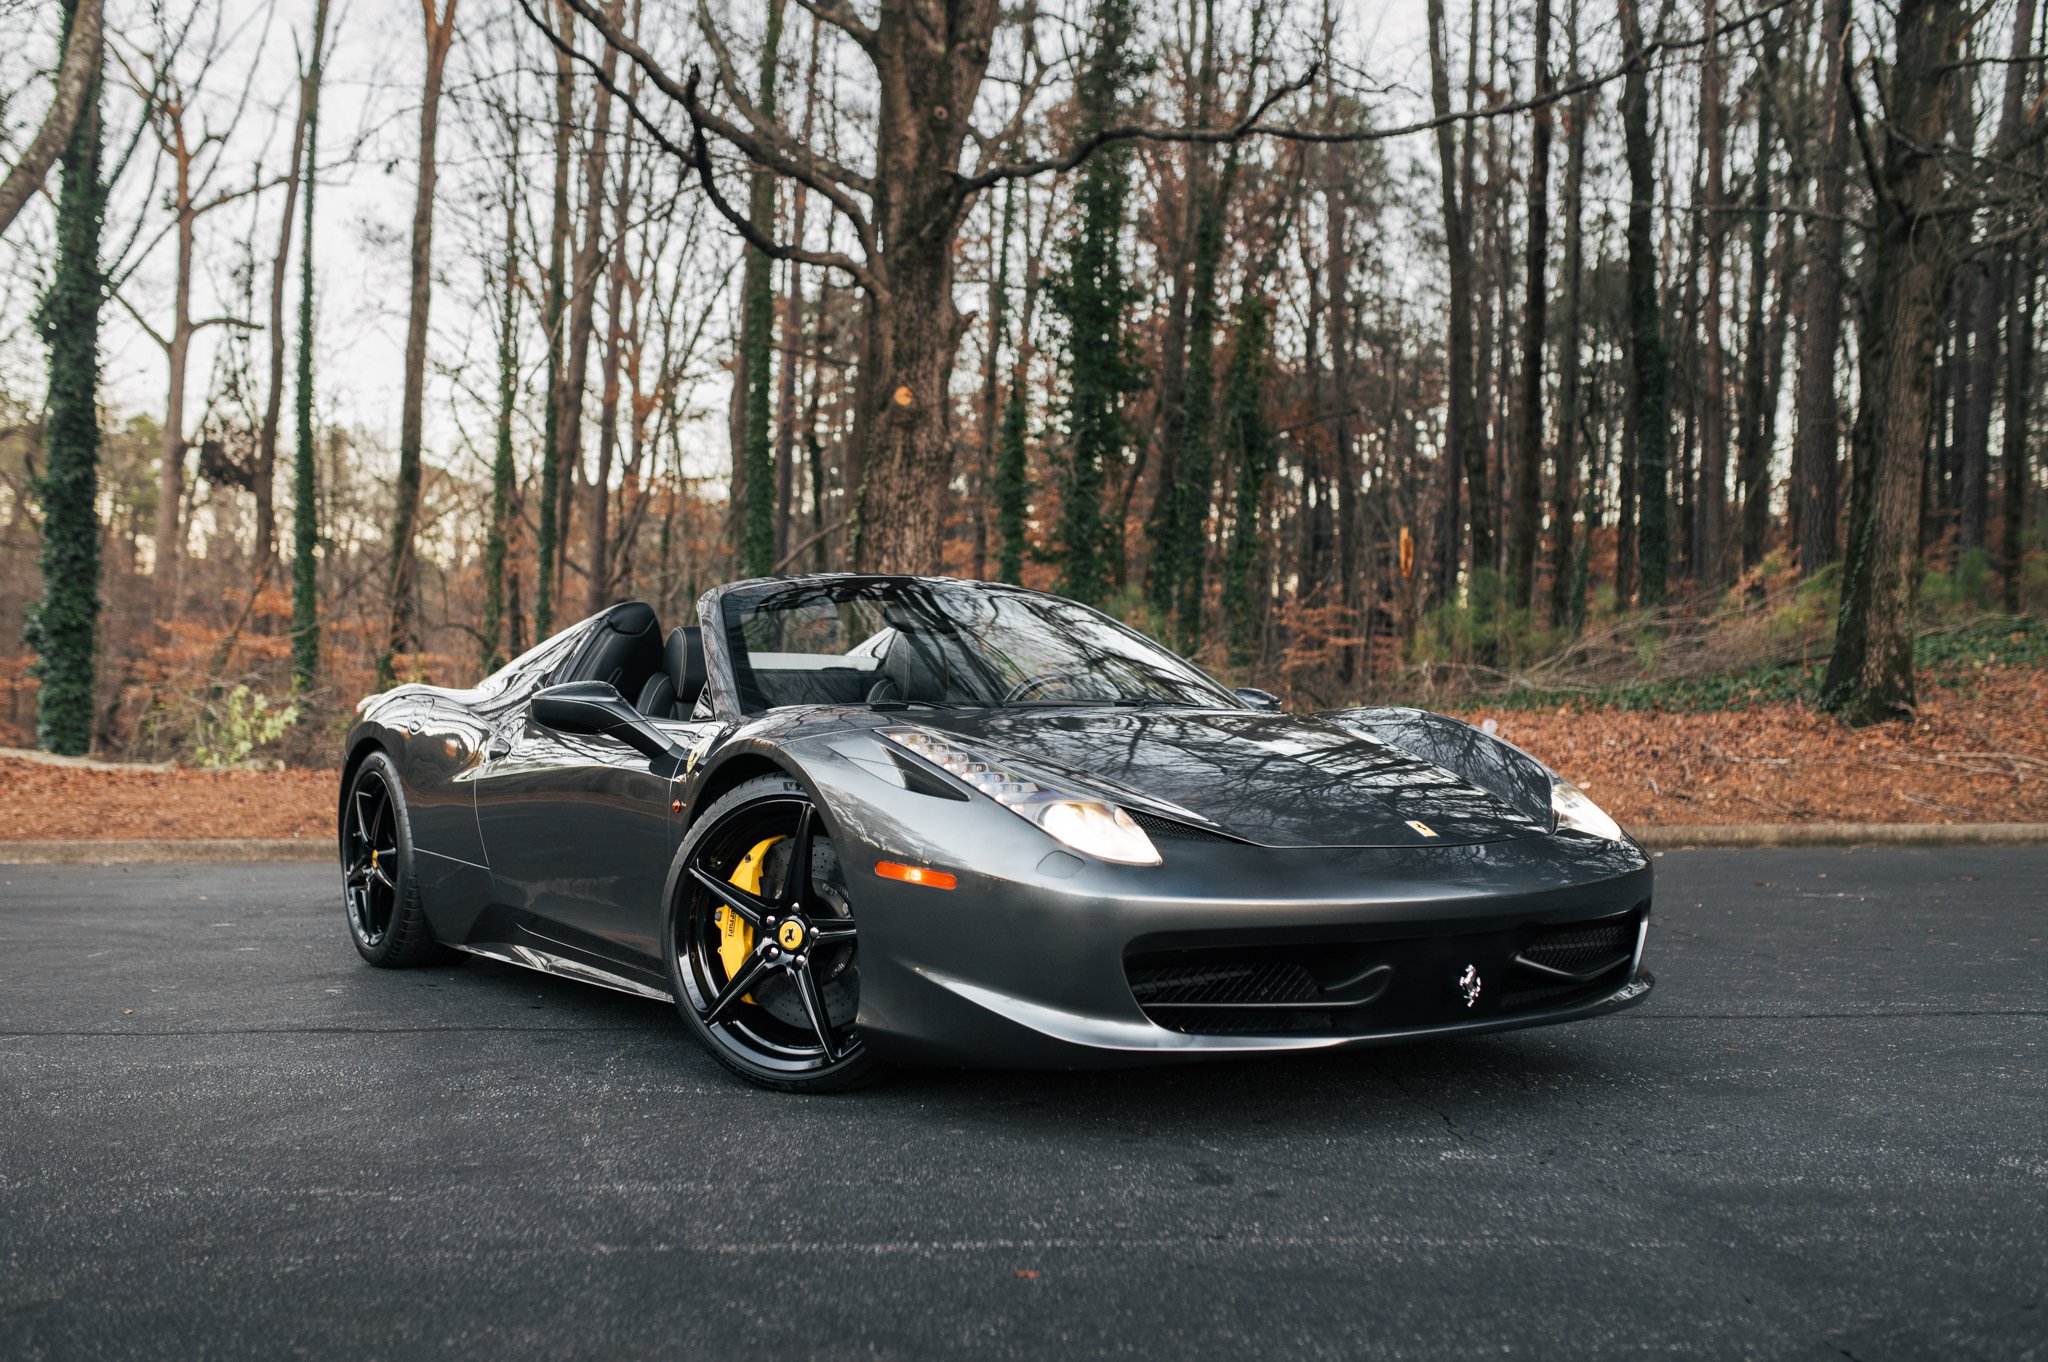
1464, 446
1526, 498
1870, 674
439, 24
76, 74
1814, 500
273, 408
195, 152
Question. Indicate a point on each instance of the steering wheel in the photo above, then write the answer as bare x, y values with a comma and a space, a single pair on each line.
1043, 679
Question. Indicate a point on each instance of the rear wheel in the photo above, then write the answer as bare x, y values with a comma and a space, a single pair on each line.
379, 891
762, 944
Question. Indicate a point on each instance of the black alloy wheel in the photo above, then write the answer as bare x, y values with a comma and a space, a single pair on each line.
378, 890
766, 970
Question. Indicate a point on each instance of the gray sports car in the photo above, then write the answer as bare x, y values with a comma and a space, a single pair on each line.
849, 821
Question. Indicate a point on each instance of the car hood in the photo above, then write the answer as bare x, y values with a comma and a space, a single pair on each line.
1280, 780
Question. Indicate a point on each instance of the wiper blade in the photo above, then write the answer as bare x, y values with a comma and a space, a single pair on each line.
891, 705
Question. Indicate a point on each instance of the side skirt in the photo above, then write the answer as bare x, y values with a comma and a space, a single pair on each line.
528, 958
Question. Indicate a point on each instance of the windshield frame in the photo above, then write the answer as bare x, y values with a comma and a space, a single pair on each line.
726, 604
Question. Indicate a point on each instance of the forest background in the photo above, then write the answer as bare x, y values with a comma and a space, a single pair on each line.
1618, 356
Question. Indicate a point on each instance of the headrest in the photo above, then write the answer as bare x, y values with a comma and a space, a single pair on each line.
683, 659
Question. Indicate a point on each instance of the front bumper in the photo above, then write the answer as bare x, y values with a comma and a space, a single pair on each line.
1025, 962
991, 1028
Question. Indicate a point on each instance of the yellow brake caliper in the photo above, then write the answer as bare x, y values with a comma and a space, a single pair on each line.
735, 937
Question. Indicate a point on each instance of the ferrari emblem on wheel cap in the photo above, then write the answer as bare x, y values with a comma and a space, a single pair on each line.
790, 934
1468, 984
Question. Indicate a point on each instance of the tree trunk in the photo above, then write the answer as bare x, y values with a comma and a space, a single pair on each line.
1564, 499
583, 306
1711, 492
1974, 454
1164, 529
1814, 502
1464, 445
264, 474
399, 600
929, 58
1757, 421
549, 549
2019, 388
1527, 495
1870, 675
1353, 554
177, 345
793, 329
1648, 365
753, 374
503, 474
78, 83
305, 488
64, 628
986, 484
598, 594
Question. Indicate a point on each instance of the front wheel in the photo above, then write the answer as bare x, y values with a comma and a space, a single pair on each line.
763, 950
379, 890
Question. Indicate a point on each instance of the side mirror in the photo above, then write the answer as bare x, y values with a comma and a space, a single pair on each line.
1259, 699
595, 709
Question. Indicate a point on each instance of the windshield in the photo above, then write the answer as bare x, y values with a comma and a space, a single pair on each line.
869, 641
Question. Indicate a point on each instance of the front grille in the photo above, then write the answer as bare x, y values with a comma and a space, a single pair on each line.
1200, 984
1173, 829
1351, 987
1574, 949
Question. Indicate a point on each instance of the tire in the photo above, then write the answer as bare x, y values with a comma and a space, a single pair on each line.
763, 969
380, 893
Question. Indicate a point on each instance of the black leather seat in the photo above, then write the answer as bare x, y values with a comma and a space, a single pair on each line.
672, 692
915, 668
623, 650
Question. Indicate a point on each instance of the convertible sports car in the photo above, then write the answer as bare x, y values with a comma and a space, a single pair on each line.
848, 821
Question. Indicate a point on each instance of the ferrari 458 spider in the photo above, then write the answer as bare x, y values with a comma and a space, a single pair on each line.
850, 821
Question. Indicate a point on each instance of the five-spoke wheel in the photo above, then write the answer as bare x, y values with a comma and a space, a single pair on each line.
370, 858
763, 943
378, 894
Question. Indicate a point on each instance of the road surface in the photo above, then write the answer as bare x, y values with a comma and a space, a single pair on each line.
1825, 1135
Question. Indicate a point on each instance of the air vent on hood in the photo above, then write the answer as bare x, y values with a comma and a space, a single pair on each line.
1173, 829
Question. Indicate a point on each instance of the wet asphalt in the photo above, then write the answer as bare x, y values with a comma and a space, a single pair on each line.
1824, 1136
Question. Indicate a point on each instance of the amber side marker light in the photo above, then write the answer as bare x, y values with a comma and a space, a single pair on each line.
915, 874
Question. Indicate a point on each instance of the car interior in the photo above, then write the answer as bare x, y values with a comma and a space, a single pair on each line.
626, 650
905, 661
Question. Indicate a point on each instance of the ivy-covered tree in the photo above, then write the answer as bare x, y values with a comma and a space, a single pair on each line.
1013, 487
1256, 452
1092, 297
305, 491
757, 330
490, 641
63, 628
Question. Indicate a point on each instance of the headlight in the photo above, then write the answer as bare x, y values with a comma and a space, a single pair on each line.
1575, 810
1090, 825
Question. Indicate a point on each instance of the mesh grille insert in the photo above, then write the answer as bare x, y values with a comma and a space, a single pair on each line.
1189, 985
1156, 826
1576, 948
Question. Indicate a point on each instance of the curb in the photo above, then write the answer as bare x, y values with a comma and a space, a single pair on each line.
42, 758
156, 850
1673, 837
1703, 835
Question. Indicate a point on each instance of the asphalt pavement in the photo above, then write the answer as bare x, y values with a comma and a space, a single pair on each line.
1825, 1135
